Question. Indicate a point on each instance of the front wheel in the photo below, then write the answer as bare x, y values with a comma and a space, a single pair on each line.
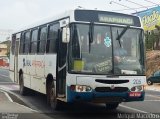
54, 103
111, 106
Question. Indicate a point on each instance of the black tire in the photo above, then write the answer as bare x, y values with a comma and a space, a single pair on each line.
22, 88
52, 99
111, 106
149, 82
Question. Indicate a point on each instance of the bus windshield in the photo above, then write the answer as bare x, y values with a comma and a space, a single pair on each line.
101, 55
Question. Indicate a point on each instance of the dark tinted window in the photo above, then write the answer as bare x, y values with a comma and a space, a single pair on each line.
157, 73
26, 42
42, 40
52, 37
21, 43
34, 38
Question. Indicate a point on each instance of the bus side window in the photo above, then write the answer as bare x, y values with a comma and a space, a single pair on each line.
26, 42
42, 40
21, 43
52, 37
34, 38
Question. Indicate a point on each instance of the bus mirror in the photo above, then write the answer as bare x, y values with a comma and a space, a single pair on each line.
65, 35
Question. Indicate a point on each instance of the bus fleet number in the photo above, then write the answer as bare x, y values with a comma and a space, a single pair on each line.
136, 81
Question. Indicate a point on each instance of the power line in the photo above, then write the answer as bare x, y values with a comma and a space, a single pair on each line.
123, 5
133, 8
151, 2
136, 3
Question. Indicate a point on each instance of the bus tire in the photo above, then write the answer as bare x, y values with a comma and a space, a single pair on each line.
54, 103
149, 82
111, 106
22, 88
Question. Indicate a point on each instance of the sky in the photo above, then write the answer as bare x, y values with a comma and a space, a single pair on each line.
15, 14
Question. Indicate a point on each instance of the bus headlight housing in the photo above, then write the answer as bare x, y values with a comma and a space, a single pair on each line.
137, 89
80, 88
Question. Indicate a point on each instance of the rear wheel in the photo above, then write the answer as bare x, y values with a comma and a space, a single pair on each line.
22, 88
111, 106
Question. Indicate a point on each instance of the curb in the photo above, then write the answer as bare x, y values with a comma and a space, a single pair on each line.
17, 99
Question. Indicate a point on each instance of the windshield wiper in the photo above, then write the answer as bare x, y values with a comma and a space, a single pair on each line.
121, 34
91, 32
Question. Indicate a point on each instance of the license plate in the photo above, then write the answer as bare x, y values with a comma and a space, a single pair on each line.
135, 94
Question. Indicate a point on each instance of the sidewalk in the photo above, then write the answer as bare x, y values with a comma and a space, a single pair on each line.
155, 87
9, 86
9, 106
4, 67
11, 109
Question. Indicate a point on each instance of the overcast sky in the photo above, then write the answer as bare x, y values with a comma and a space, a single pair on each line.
17, 13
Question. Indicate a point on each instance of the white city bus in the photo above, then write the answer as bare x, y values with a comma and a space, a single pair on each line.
72, 58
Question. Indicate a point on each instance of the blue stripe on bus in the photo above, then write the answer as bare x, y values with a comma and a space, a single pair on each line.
73, 96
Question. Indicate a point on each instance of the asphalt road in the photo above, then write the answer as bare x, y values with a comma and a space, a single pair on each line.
37, 101
4, 76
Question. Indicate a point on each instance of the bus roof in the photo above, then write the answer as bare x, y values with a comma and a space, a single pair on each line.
46, 21
69, 13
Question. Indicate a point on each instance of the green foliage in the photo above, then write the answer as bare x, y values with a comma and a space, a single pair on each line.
151, 40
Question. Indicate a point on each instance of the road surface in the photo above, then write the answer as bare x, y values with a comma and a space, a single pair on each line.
149, 108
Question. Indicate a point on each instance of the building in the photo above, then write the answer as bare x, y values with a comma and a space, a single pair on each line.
4, 51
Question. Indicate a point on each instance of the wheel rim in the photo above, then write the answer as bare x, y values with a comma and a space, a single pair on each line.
149, 82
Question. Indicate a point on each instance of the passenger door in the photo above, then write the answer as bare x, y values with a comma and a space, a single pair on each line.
13, 68
61, 64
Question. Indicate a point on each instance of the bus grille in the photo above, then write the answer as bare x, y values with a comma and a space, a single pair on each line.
108, 89
108, 99
111, 81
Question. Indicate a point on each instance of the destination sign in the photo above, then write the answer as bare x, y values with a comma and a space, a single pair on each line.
115, 19
107, 17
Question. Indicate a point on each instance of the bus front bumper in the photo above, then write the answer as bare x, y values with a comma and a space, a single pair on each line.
102, 97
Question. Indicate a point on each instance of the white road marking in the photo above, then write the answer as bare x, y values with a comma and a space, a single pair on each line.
4, 76
131, 108
9, 98
9, 87
141, 111
26, 107
154, 96
152, 100
144, 100
6, 94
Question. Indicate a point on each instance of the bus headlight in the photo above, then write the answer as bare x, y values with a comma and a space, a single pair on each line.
137, 89
80, 88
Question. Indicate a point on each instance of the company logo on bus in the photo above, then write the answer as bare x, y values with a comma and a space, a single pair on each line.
112, 87
34, 63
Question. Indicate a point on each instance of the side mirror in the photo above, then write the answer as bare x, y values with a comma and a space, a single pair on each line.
65, 35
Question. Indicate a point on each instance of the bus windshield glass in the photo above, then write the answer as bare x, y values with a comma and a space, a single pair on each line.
105, 54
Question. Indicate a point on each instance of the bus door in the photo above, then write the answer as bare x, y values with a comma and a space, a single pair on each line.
14, 57
61, 65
